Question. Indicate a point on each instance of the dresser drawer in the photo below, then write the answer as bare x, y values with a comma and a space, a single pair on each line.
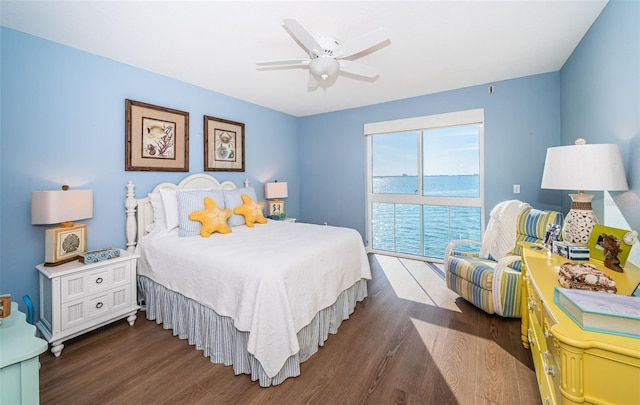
79, 285
534, 304
81, 312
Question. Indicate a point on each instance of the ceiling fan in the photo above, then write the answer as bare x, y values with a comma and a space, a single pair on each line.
327, 56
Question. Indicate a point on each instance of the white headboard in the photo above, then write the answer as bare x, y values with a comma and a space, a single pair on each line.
140, 212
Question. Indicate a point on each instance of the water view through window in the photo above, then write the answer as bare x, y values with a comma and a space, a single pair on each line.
419, 214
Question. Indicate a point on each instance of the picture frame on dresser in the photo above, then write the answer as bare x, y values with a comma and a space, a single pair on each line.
595, 243
223, 145
157, 138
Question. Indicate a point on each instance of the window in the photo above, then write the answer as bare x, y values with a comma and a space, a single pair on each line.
425, 183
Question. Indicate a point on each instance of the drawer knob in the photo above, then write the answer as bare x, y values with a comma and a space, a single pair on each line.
547, 329
99, 280
547, 369
529, 338
99, 305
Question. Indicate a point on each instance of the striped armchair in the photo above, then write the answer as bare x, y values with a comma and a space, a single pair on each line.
495, 284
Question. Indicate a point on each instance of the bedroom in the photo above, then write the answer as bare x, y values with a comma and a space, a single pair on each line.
55, 100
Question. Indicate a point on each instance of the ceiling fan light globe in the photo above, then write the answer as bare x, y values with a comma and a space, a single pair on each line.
324, 67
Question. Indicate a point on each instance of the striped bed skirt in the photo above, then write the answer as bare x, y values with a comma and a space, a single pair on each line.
218, 338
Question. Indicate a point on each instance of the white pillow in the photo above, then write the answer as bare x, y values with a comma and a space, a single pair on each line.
158, 211
233, 199
170, 204
190, 201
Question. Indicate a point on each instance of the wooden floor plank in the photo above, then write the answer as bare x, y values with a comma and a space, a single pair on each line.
411, 341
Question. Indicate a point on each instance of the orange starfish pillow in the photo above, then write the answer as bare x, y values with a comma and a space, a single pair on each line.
212, 218
251, 210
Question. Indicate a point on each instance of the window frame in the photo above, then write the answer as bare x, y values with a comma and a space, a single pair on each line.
419, 124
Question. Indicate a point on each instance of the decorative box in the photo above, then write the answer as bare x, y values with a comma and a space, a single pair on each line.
99, 255
570, 250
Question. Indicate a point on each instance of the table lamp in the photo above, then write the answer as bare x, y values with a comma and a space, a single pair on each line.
582, 167
273, 191
65, 243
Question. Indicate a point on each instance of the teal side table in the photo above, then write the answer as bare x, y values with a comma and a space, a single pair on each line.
19, 360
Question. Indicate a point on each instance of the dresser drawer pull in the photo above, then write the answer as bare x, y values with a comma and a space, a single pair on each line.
529, 338
99, 280
547, 400
547, 333
547, 369
99, 305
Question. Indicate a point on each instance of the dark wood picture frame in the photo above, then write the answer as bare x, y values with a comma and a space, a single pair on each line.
223, 145
156, 138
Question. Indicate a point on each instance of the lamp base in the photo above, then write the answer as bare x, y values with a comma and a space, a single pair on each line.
276, 207
580, 220
64, 244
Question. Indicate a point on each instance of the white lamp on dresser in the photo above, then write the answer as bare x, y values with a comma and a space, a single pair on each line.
582, 167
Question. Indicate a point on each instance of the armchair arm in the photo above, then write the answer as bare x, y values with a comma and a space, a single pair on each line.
507, 288
450, 250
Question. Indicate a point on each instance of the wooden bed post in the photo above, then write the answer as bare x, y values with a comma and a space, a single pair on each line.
131, 226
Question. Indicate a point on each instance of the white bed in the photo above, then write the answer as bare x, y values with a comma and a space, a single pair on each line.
262, 299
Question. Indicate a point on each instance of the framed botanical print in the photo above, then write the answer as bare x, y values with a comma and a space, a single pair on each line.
223, 145
157, 138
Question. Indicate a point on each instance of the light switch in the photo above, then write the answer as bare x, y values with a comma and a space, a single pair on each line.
516, 189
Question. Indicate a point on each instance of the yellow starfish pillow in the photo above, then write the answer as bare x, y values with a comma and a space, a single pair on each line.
212, 218
251, 210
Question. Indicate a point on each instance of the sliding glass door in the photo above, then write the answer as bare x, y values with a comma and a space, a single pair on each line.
425, 185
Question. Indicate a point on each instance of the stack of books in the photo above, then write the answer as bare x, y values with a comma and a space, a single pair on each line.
601, 312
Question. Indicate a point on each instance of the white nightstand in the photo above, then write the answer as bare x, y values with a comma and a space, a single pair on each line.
76, 298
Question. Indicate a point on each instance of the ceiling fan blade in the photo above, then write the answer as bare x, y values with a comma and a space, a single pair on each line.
301, 34
362, 43
292, 62
358, 69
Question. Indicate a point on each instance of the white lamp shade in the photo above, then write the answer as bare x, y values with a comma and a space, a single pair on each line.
276, 190
596, 167
54, 207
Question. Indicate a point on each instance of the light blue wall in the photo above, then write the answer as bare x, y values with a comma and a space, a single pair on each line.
600, 95
63, 123
522, 119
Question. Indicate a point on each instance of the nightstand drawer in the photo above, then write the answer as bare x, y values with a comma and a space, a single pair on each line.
76, 313
79, 285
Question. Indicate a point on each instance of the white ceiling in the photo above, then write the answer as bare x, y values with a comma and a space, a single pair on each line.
434, 45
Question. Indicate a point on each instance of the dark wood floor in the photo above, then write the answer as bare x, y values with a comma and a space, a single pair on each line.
411, 341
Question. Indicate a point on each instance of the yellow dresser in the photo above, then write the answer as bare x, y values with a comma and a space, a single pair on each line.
575, 366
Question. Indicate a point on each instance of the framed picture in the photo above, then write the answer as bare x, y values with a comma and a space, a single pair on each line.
552, 234
596, 243
223, 145
157, 138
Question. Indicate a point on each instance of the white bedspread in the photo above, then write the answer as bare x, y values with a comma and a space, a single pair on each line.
271, 279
